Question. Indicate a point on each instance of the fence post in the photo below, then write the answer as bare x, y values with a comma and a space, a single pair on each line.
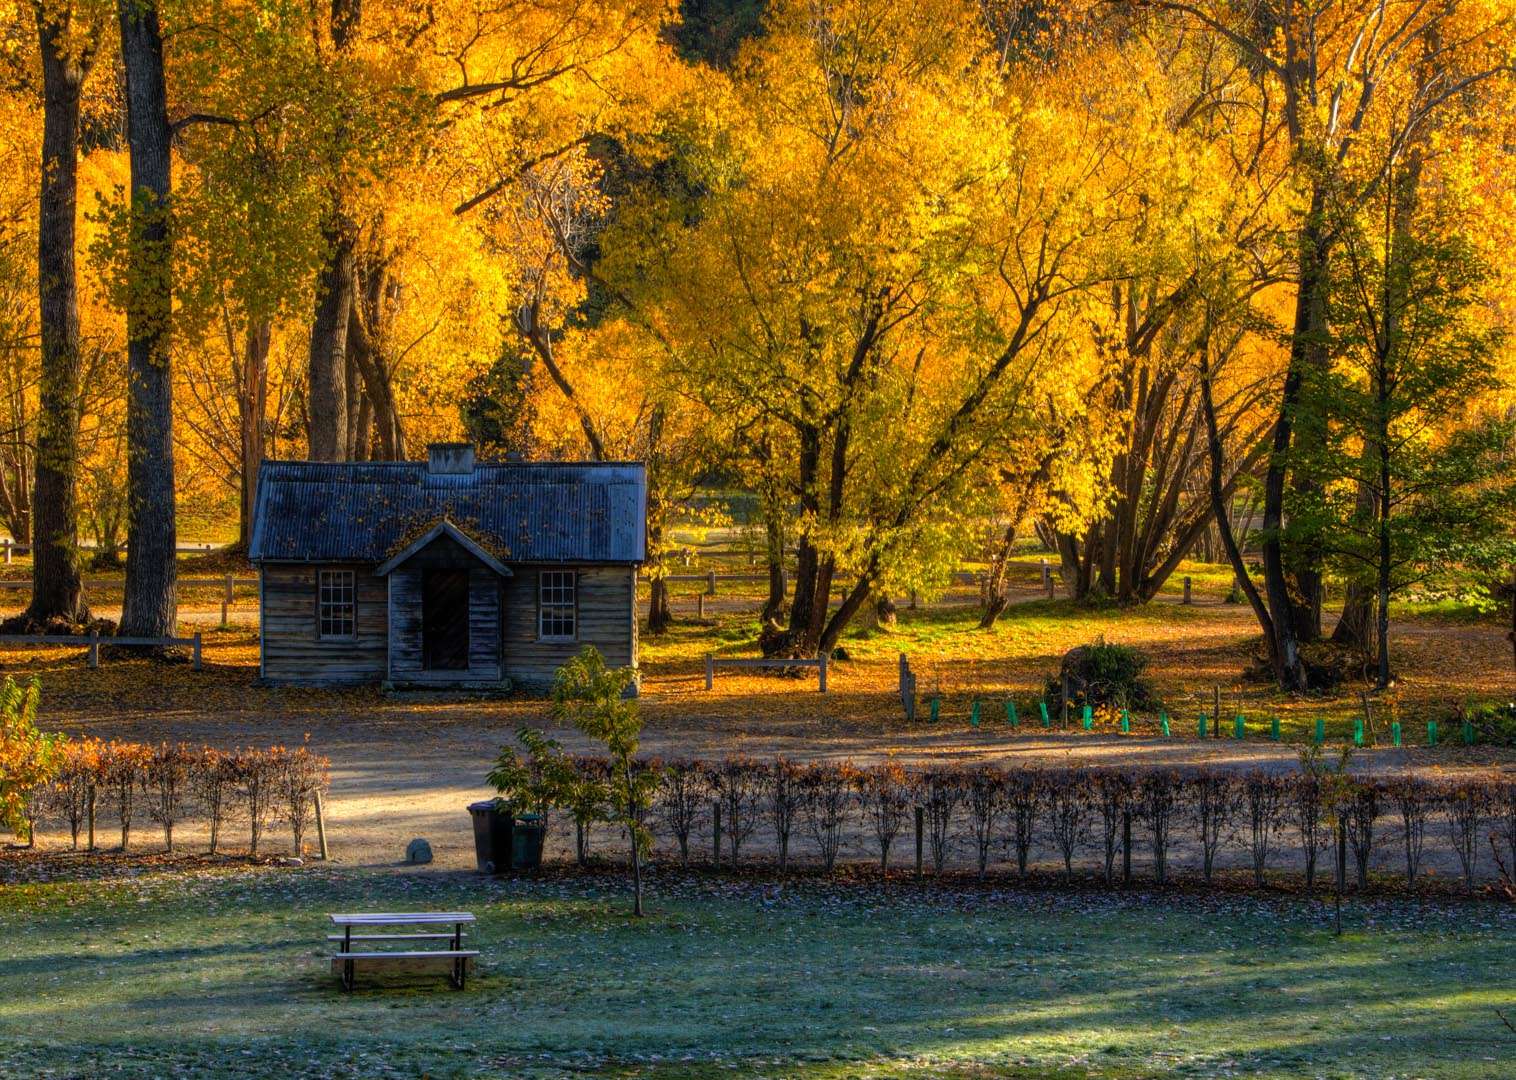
920, 821
821, 672
700, 606
710, 671
197, 650
1186, 589
710, 583
321, 828
94, 650
1126, 847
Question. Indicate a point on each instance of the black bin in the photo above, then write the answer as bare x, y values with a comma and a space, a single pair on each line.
526, 842
493, 841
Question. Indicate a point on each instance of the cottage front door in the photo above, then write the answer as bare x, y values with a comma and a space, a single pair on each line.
444, 620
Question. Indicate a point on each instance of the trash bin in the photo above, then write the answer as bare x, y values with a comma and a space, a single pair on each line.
526, 842
492, 836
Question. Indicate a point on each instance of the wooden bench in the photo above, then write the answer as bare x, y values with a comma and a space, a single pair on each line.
453, 959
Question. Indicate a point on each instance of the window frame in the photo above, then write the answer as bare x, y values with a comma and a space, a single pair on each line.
557, 607
350, 584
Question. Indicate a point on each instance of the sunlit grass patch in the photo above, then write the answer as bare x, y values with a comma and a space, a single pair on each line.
220, 973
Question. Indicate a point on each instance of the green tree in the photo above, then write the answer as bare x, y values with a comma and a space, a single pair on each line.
1412, 480
595, 699
28, 758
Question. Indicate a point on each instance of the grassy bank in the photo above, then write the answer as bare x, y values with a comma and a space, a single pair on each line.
218, 973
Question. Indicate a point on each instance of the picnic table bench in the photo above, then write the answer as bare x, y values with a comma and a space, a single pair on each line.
363, 927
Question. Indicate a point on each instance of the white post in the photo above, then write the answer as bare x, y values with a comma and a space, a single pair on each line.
94, 650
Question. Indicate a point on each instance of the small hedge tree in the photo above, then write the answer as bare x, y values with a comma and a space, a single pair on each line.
594, 699
28, 758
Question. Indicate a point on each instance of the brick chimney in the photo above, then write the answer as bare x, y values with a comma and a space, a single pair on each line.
450, 458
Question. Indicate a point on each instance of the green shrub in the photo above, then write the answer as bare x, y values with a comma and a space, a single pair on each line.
1101, 673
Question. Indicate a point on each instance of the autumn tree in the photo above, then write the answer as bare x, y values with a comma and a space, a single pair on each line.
1324, 75
872, 279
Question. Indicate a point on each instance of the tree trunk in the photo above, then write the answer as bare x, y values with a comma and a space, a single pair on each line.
366, 335
149, 605
57, 588
773, 528
252, 398
327, 368
1355, 627
327, 378
1290, 601
997, 591
1243, 579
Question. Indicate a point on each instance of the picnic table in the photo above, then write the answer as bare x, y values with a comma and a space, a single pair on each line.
378, 927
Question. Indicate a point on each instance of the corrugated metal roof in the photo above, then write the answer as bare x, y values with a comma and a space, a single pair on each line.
310, 511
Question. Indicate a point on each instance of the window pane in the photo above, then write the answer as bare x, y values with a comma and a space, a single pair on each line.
555, 603
336, 606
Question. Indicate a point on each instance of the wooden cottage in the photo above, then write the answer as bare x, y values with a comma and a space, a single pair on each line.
445, 573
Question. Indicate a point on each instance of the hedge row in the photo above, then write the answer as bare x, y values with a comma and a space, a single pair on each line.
173, 783
1076, 813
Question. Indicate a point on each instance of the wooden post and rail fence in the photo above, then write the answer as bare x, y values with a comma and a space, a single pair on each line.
92, 643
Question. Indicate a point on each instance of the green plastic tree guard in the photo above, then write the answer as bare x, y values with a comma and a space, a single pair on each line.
1274, 729
1126, 722
1358, 731
1468, 733
935, 707
1163, 723
1239, 726
1042, 707
1088, 718
1010, 713
1203, 722
1431, 732
1395, 732
1321, 730
974, 714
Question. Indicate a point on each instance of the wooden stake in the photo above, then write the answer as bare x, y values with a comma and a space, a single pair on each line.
321, 829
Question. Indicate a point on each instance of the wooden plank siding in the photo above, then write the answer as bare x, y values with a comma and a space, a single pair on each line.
504, 647
294, 651
607, 615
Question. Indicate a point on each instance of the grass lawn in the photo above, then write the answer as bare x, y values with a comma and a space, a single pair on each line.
216, 972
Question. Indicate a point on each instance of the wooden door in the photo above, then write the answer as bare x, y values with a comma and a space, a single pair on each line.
444, 620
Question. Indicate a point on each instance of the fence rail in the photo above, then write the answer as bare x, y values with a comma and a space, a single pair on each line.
93, 642
11, 547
